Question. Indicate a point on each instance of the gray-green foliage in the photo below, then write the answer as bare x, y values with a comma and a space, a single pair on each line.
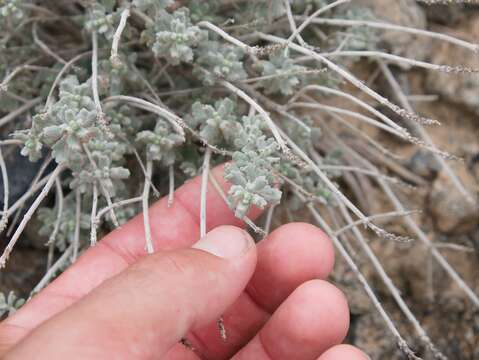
10, 303
173, 37
217, 60
161, 143
285, 74
251, 170
11, 9
217, 123
171, 61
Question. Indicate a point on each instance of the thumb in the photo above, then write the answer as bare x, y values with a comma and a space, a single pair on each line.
145, 310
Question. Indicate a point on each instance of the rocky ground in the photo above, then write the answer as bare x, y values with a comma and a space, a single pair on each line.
449, 221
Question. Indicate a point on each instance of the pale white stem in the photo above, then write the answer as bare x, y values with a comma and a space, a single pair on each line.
424, 135
354, 99
93, 224
364, 135
171, 182
390, 214
94, 85
118, 204
103, 188
76, 236
226, 36
94, 70
351, 78
271, 125
145, 205
28, 215
292, 25
390, 285
353, 114
434, 252
314, 15
177, 122
302, 72
59, 200
204, 189
30, 192
456, 247
65, 68
386, 26
142, 166
403, 60
411, 224
352, 265
269, 219
333, 188
115, 58
37, 177
6, 192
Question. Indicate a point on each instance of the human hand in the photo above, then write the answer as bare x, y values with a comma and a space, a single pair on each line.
117, 303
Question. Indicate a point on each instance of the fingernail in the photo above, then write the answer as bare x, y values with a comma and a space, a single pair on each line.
225, 242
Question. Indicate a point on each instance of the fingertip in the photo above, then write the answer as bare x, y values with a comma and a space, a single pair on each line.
227, 241
323, 309
343, 352
309, 242
289, 256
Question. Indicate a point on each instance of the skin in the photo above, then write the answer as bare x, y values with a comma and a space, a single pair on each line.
116, 302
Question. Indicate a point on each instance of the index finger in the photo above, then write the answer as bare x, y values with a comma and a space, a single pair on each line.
172, 227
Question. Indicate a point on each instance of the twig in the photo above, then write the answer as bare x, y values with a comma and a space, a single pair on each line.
386, 26
65, 68
104, 190
391, 287
94, 206
352, 265
204, 189
425, 136
76, 236
59, 200
449, 69
145, 205
352, 79
6, 193
269, 219
272, 126
34, 182
115, 58
116, 205
177, 122
171, 182
28, 215
314, 15
292, 24
94, 84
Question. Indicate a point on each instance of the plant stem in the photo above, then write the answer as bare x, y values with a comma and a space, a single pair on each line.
146, 217
28, 215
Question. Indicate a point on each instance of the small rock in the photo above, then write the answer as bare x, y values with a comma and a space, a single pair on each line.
444, 14
452, 213
425, 164
405, 13
461, 89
